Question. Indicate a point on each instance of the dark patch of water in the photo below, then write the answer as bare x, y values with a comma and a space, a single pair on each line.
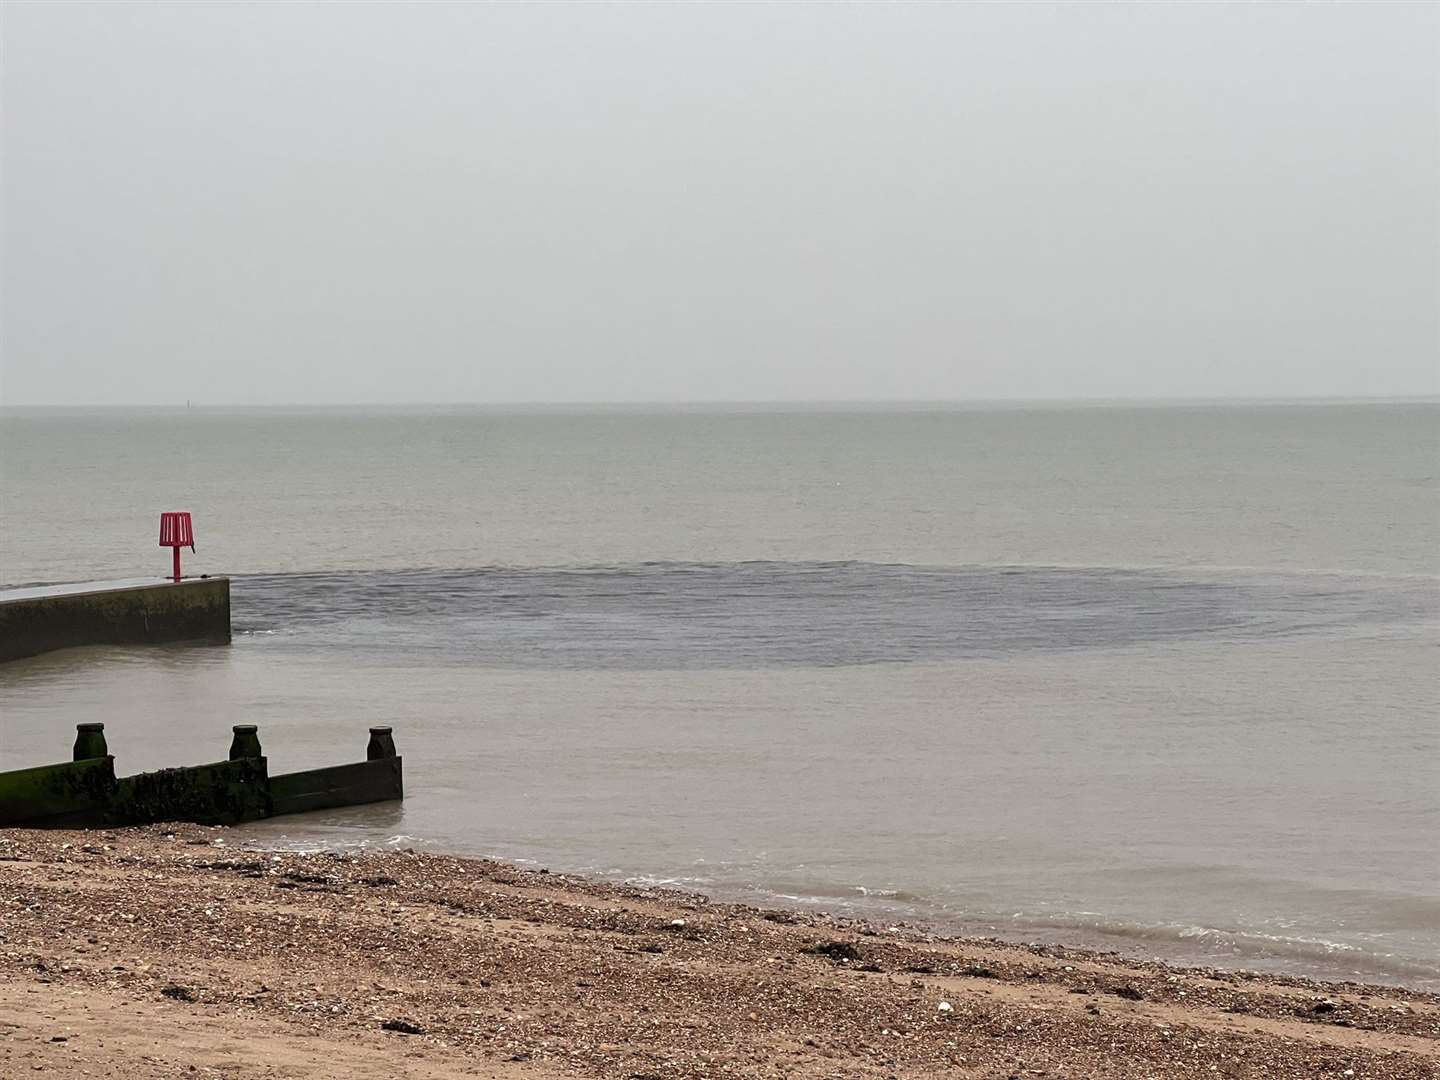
750, 615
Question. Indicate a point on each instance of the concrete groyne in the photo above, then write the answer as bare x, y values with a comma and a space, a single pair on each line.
85, 791
145, 611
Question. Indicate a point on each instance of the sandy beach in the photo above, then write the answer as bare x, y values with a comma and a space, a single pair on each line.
170, 951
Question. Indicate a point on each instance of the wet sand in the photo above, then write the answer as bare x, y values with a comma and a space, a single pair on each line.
170, 951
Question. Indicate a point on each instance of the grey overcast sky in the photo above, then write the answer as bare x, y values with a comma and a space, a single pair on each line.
311, 203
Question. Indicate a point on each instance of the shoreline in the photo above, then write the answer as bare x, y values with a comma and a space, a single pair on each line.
1240, 952
1140, 943
143, 952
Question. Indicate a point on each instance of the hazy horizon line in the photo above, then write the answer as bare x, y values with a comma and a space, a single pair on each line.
724, 404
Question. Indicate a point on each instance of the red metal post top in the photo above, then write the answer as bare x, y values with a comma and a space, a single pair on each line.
176, 530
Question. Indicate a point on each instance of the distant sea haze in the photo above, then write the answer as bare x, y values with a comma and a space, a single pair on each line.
1158, 679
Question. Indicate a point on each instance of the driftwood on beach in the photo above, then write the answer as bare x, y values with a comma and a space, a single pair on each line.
85, 792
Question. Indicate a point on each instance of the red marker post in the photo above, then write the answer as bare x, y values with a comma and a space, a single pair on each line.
176, 532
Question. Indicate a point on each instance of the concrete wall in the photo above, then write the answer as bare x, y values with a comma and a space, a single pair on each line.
71, 794
113, 613
85, 793
378, 780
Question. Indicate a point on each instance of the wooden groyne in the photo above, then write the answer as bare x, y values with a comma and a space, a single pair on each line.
39, 620
85, 792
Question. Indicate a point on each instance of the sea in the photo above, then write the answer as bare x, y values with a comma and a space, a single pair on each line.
1158, 679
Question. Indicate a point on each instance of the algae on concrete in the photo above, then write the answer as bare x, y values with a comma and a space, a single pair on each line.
73, 793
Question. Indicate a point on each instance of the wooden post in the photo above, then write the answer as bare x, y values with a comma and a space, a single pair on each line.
90, 742
382, 744
246, 743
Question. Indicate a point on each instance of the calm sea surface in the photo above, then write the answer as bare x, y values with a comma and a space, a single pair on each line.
1161, 680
